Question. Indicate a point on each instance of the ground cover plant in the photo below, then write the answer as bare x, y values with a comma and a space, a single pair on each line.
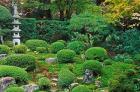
70, 45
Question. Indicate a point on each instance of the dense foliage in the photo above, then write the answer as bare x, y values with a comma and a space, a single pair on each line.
65, 56
20, 49
21, 60
15, 72
57, 46
77, 46
96, 53
4, 49
14, 89
34, 43
65, 78
81, 88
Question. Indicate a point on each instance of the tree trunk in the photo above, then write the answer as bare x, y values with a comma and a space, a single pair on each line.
62, 15
1, 39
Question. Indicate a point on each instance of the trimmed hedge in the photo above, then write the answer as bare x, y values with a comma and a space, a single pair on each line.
4, 49
65, 56
57, 46
20, 75
21, 49
41, 49
34, 43
20, 60
14, 89
81, 88
44, 83
93, 65
96, 53
65, 78
77, 46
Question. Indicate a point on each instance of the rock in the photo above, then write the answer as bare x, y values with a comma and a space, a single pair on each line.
88, 76
2, 56
5, 82
73, 85
50, 60
30, 87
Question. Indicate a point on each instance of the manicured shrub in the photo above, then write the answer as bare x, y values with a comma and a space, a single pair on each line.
44, 83
21, 49
96, 53
41, 49
129, 61
5, 14
77, 46
21, 60
130, 72
38, 76
34, 43
4, 49
9, 43
93, 65
65, 78
20, 75
121, 84
14, 89
108, 62
65, 56
137, 59
81, 88
57, 46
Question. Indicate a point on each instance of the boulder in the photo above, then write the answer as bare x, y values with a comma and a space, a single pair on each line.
50, 60
5, 82
30, 87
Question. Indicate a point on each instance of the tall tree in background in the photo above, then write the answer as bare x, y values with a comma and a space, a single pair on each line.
5, 16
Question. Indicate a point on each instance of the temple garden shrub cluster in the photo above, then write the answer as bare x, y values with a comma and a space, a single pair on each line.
66, 56
14, 89
21, 60
57, 46
81, 88
96, 53
44, 83
20, 49
65, 78
4, 49
77, 46
93, 65
20, 75
41, 49
34, 43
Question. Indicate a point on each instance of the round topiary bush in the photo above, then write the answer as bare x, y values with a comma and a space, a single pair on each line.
77, 46
4, 49
93, 65
129, 61
20, 49
41, 49
65, 56
14, 89
5, 14
20, 75
65, 78
137, 59
8, 43
108, 62
57, 46
44, 83
81, 88
21, 60
34, 43
96, 53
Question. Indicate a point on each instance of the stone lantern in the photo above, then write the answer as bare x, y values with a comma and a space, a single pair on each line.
16, 30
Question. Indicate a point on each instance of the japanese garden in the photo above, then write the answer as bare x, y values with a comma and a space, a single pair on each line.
69, 45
